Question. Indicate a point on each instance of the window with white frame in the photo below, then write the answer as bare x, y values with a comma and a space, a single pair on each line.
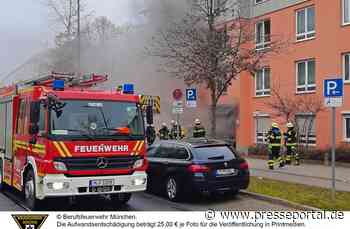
263, 34
346, 127
346, 12
262, 126
346, 67
306, 128
306, 74
262, 82
305, 23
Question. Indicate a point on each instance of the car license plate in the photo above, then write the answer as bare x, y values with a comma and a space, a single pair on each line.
101, 189
105, 182
225, 172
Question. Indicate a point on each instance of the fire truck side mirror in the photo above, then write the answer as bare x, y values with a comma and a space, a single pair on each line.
34, 113
149, 115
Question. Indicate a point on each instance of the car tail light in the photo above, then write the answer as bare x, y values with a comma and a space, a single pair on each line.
244, 166
198, 168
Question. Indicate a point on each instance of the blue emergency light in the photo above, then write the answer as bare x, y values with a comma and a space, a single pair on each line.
58, 85
128, 88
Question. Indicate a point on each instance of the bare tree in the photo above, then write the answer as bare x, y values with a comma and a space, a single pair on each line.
289, 107
102, 30
64, 14
197, 50
94, 32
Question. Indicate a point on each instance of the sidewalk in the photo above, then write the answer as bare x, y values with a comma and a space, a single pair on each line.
315, 175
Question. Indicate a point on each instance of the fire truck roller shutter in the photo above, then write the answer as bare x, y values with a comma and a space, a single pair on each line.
6, 106
6, 128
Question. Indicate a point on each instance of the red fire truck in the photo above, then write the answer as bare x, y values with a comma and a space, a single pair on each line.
61, 138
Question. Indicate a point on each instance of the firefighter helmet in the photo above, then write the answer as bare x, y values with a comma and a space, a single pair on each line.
172, 122
290, 125
275, 125
197, 121
163, 124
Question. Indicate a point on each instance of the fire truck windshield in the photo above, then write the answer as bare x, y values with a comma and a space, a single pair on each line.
94, 119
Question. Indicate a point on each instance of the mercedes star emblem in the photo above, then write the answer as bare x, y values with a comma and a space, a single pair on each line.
101, 162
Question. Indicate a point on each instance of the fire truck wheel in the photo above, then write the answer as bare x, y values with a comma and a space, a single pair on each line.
1, 177
29, 191
121, 198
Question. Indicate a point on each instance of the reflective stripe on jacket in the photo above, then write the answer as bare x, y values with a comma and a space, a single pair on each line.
198, 132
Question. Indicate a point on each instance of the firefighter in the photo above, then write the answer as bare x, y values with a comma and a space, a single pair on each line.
164, 132
175, 132
198, 129
150, 134
274, 138
290, 141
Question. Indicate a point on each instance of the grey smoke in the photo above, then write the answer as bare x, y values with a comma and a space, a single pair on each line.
126, 61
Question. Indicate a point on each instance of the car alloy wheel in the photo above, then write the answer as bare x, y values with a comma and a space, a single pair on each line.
171, 188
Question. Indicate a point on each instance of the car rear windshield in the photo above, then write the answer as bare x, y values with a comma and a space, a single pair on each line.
214, 153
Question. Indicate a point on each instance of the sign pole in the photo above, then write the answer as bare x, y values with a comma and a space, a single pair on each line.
333, 152
177, 108
178, 125
333, 93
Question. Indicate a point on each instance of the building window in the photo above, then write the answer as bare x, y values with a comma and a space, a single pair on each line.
306, 129
263, 34
346, 12
259, 1
346, 127
306, 76
346, 67
262, 126
306, 23
262, 82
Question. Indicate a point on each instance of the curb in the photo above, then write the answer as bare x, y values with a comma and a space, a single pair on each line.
279, 201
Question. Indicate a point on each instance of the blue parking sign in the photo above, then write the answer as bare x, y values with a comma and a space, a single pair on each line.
333, 88
191, 94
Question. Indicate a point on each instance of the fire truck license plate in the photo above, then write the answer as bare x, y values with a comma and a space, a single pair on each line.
98, 183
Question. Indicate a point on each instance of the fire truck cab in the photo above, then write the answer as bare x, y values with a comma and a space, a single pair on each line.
60, 138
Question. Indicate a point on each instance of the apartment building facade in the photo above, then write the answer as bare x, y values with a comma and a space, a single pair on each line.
317, 33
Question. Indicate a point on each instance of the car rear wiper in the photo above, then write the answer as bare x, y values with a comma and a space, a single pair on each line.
216, 157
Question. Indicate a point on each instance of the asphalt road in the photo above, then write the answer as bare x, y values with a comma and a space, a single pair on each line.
145, 202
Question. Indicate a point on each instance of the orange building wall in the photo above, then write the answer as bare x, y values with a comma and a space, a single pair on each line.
332, 39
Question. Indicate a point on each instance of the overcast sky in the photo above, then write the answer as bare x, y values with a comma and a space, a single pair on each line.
25, 29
